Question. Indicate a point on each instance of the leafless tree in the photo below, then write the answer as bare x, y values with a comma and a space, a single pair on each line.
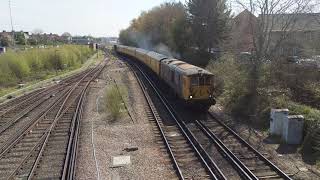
273, 15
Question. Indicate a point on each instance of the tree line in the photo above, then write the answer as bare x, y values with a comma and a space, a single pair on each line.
188, 31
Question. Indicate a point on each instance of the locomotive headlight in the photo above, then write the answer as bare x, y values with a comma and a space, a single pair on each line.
190, 96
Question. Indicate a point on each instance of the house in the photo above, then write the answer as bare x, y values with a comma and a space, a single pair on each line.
66, 37
290, 34
82, 40
6, 38
300, 33
242, 31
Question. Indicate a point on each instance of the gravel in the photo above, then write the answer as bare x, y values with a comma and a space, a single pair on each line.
290, 162
114, 137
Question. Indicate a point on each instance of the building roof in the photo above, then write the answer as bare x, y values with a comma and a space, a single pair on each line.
297, 22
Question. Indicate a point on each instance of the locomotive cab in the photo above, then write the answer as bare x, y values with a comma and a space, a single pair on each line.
201, 89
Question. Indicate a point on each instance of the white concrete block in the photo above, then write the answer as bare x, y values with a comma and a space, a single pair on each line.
277, 117
293, 129
118, 161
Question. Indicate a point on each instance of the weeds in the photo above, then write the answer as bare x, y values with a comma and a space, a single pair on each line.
37, 63
113, 101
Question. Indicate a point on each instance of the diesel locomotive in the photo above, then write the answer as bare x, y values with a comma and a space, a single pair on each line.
190, 83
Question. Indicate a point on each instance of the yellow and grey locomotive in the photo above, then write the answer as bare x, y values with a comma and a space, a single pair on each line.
193, 84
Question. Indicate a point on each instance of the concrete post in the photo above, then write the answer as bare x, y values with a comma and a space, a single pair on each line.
293, 129
277, 117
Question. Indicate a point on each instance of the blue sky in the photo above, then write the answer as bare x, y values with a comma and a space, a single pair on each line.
79, 17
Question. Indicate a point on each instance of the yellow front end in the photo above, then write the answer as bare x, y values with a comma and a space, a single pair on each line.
196, 92
200, 92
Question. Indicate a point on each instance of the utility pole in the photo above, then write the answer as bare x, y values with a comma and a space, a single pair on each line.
12, 31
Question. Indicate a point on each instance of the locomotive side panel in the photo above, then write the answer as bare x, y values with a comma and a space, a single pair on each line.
155, 60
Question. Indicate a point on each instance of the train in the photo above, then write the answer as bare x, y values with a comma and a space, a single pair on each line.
191, 84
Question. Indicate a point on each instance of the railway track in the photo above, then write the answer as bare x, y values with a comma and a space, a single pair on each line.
249, 162
189, 159
19, 112
45, 147
233, 158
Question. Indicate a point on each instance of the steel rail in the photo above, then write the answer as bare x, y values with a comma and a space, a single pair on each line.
269, 163
39, 143
20, 98
17, 117
73, 163
14, 106
14, 139
69, 164
240, 167
157, 120
47, 134
29, 126
183, 130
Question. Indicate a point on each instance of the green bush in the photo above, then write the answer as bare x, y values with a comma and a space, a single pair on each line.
113, 101
230, 82
311, 128
37, 63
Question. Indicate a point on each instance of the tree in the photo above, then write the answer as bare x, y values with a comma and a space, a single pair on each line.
209, 22
66, 34
274, 14
181, 35
279, 15
154, 27
20, 38
5, 41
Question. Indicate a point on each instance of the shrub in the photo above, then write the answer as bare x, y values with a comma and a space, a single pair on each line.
230, 82
113, 101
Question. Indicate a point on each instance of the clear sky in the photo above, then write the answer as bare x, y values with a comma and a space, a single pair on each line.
79, 17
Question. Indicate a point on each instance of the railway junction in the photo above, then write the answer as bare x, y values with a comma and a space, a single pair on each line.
64, 131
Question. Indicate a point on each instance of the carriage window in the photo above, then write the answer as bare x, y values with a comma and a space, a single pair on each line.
201, 81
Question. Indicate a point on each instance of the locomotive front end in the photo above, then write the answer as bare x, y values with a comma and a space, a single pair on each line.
201, 89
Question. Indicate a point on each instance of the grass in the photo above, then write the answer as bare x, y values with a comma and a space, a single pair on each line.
39, 64
48, 78
113, 101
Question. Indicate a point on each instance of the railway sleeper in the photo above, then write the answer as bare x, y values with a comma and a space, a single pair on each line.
266, 174
27, 144
10, 160
65, 130
47, 177
254, 163
62, 125
260, 168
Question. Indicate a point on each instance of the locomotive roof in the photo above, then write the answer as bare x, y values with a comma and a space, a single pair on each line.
157, 56
185, 68
142, 50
